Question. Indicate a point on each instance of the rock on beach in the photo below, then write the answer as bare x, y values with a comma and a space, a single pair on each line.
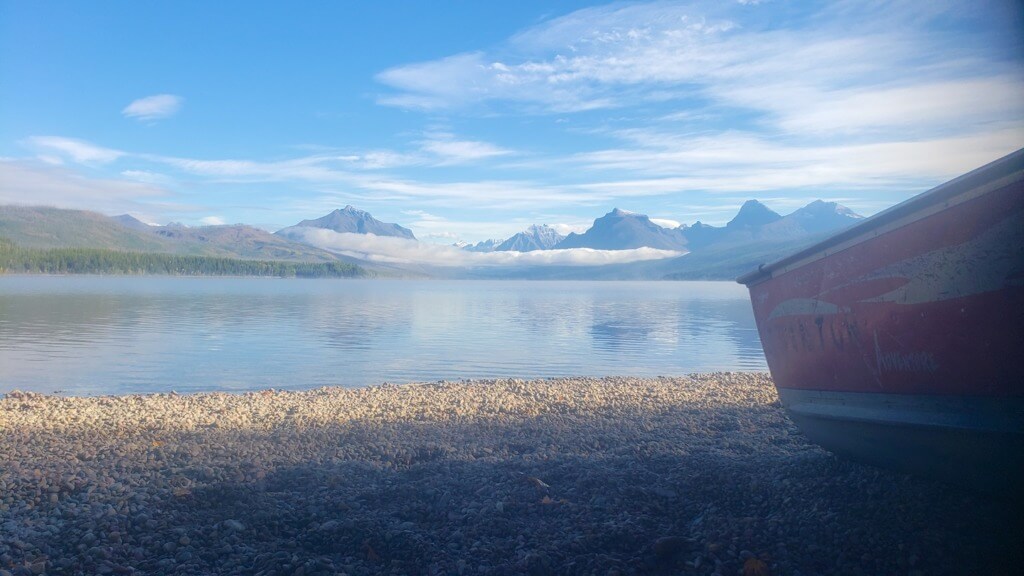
702, 474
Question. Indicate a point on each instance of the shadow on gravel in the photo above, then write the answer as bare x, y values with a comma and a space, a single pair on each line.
567, 504
690, 489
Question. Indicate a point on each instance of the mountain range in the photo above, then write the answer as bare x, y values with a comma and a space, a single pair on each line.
756, 234
624, 230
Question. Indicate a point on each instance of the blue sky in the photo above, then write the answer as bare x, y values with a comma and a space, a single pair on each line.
470, 120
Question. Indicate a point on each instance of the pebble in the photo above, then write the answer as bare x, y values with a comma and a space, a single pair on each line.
702, 474
668, 546
234, 525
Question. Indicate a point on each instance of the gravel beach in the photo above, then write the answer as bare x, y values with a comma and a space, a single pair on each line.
701, 474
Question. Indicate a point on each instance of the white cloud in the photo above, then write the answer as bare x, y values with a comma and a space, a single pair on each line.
402, 251
446, 236
650, 163
146, 176
749, 163
439, 83
308, 169
846, 67
450, 151
383, 159
212, 221
490, 194
424, 216
566, 229
580, 61
432, 227
28, 183
948, 104
154, 107
77, 150
665, 222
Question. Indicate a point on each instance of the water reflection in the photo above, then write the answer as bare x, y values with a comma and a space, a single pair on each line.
88, 335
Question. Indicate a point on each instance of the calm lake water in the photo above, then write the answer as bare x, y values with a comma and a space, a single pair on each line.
113, 335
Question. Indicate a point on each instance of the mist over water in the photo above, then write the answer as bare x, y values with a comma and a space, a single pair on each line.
114, 335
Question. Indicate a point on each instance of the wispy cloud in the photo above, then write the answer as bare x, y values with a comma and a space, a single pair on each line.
650, 163
401, 251
77, 150
738, 162
156, 107
30, 183
451, 151
565, 229
881, 98
146, 176
212, 221
436, 228
843, 68
665, 222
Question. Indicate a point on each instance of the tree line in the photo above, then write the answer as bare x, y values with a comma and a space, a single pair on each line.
15, 259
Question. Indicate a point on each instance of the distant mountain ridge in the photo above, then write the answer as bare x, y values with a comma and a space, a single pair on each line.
44, 227
129, 221
542, 237
352, 220
756, 234
753, 213
757, 222
484, 245
616, 230
624, 230
821, 216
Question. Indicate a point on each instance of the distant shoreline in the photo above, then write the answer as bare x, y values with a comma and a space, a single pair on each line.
16, 259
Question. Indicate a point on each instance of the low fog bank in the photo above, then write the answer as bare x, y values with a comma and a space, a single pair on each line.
391, 250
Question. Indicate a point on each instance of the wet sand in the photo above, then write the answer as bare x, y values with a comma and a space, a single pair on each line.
701, 474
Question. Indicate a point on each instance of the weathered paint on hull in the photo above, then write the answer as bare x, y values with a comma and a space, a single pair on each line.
919, 313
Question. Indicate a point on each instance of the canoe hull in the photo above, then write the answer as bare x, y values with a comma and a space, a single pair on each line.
967, 440
901, 341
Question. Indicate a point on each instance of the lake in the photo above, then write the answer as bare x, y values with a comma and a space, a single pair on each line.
84, 335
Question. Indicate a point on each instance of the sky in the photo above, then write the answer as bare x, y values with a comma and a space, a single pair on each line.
472, 120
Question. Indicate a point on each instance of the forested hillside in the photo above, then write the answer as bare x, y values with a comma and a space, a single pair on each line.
15, 259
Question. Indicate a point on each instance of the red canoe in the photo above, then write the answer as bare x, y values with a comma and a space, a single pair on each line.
900, 341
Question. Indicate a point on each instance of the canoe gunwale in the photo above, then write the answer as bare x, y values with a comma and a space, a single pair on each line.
992, 176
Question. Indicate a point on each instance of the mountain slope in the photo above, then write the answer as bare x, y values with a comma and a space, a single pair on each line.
819, 216
535, 237
484, 245
42, 227
129, 221
353, 220
622, 230
241, 241
755, 222
753, 214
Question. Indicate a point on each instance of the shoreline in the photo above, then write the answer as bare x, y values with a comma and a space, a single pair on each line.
701, 474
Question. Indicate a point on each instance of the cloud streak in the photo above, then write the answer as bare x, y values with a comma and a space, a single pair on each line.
156, 107
76, 150
29, 183
879, 67
450, 151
